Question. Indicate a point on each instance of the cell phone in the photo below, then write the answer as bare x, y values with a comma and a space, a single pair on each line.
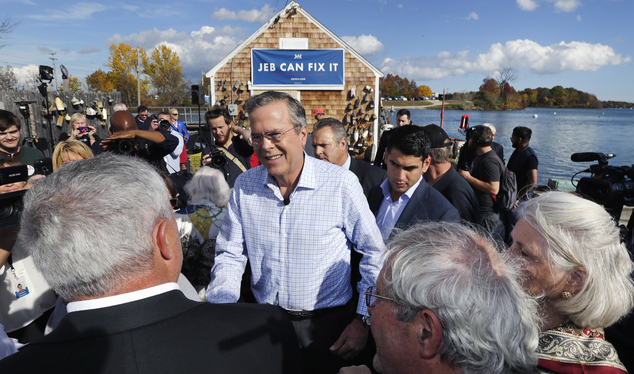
44, 166
83, 129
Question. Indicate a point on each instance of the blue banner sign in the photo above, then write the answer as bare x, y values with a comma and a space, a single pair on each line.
313, 69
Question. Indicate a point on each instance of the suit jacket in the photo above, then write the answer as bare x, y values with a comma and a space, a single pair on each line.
166, 333
380, 151
368, 174
426, 204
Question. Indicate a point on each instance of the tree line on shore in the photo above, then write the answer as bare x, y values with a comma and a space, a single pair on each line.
498, 94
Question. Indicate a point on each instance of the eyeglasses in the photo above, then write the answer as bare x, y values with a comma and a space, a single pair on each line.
273, 137
174, 114
371, 296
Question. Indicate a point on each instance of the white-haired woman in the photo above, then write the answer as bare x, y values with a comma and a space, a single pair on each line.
199, 223
578, 269
78, 129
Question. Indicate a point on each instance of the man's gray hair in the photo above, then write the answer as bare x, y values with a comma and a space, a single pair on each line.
89, 225
338, 131
295, 108
489, 125
208, 184
442, 154
489, 323
580, 232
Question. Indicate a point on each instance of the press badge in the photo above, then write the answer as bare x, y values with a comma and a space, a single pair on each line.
19, 287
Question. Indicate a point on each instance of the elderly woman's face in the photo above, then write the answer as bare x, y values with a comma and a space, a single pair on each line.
530, 247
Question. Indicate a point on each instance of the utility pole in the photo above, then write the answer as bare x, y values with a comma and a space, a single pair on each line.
138, 78
54, 69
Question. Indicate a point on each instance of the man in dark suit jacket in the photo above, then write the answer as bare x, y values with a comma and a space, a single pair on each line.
330, 143
405, 198
116, 264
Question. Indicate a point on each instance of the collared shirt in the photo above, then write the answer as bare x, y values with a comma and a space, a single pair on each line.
300, 252
346, 165
390, 211
104, 302
172, 160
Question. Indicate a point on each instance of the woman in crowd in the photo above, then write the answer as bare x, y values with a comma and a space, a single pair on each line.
199, 223
575, 264
78, 129
70, 150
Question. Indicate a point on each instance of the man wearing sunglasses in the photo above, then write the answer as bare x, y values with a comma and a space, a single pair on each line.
296, 220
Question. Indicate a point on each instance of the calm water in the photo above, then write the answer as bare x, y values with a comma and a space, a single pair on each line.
557, 133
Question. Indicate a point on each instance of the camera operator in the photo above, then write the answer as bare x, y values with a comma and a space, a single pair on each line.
151, 146
172, 160
236, 149
10, 148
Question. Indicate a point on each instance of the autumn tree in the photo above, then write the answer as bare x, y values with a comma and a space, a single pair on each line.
424, 91
74, 85
100, 81
166, 74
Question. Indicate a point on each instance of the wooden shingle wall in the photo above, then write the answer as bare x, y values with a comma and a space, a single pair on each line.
334, 103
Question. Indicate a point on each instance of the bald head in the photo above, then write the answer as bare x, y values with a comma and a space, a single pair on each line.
122, 121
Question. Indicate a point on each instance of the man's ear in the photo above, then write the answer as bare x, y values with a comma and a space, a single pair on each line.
303, 133
578, 277
428, 333
426, 163
161, 243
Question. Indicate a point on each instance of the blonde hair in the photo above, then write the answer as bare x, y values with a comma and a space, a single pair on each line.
70, 146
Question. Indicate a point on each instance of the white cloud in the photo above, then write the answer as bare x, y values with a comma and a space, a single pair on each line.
528, 5
364, 44
559, 5
26, 73
400, 5
253, 16
579, 17
89, 49
201, 48
75, 12
473, 15
516, 54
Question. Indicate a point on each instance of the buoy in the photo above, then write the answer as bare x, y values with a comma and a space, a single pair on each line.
534, 115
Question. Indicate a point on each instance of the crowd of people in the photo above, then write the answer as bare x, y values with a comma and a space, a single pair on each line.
271, 260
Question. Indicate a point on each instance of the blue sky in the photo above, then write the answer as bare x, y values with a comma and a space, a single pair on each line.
585, 44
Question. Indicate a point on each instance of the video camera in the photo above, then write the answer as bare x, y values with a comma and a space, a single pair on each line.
608, 185
11, 202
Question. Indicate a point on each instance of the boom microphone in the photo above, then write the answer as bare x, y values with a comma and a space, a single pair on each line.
590, 156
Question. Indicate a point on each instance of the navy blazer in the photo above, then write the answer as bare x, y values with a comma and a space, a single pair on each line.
368, 174
167, 333
426, 205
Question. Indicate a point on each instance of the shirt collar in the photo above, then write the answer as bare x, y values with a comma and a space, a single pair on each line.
346, 165
385, 187
103, 302
306, 178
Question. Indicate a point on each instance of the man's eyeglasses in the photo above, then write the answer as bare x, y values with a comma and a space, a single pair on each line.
371, 296
273, 137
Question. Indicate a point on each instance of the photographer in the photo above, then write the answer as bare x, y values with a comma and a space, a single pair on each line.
151, 146
10, 148
236, 149
79, 130
172, 160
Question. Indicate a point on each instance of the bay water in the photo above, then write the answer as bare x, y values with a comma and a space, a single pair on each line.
557, 133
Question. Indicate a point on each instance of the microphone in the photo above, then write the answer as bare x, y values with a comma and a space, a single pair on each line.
287, 200
590, 156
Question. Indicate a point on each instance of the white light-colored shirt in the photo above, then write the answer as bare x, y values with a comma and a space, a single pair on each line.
300, 252
390, 211
346, 165
104, 302
172, 160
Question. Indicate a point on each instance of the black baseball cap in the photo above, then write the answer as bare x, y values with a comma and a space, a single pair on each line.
437, 136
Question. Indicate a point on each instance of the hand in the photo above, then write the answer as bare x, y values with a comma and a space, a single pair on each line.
206, 160
465, 174
517, 204
32, 180
92, 131
130, 134
355, 370
352, 340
